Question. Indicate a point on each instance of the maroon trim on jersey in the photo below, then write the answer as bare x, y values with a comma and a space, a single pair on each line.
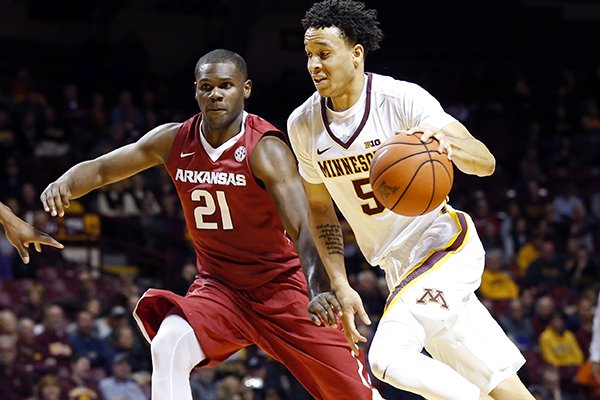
362, 122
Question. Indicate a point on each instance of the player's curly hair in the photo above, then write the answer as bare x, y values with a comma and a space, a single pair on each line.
352, 18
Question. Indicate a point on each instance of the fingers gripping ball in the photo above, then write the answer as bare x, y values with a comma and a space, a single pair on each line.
410, 177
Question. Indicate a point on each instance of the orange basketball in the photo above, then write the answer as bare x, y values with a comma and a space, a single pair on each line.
410, 177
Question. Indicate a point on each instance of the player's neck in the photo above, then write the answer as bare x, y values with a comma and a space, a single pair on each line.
216, 136
350, 96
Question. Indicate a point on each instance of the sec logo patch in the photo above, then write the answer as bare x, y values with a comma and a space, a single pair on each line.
240, 154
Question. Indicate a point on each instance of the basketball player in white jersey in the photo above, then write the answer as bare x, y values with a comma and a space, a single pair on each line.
433, 262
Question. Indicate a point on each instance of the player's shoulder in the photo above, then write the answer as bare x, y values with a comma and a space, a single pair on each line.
388, 86
305, 111
259, 124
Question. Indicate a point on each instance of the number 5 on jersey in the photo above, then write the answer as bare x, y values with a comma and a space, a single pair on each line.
210, 208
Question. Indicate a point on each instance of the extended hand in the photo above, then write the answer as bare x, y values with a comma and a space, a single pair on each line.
351, 304
55, 198
20, 234
323, 309
429, 131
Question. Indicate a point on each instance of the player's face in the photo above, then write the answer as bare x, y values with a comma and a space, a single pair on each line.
333, 62
220, 92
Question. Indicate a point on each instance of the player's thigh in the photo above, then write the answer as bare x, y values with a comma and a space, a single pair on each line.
318, 356
473, 344
216, 314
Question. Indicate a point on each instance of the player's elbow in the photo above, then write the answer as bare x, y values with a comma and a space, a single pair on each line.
489, 166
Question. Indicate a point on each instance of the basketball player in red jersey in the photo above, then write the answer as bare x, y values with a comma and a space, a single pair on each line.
242, 196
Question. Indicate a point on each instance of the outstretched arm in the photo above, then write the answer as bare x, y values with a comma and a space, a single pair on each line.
330, 242
20, 234
273, 163
150, 150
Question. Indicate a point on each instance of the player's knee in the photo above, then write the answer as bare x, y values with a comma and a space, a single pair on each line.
379, 361
382, 357
161, 345
378, 368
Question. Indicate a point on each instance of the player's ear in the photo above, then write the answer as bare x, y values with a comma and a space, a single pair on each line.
247, 88
196, 90
358, 54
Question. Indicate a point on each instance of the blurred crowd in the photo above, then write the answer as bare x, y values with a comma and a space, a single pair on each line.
66, 330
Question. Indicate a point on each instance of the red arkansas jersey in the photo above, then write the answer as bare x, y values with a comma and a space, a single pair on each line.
237, 233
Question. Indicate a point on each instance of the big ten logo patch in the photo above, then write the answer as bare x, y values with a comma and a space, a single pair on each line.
433, 295
372, 143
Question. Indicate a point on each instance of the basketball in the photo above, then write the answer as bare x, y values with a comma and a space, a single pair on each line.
410, 177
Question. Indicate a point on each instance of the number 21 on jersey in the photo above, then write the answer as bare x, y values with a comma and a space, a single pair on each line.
210, 208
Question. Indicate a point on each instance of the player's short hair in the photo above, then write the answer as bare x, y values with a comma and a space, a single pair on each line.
352, 18
222, 56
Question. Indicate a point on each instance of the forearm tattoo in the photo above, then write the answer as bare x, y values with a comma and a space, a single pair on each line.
331, 235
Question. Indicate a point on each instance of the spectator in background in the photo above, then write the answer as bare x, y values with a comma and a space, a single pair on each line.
543, 311
517, 326
549, 388
15, 382
117, 318
566, 201
33, 301
230, 388
558, 345
487, 223
54, 142
85, 343
116, 201
497, 284
98, 115
93, 305
119, 385
79, 378
534, 202
546, 272
53, 344
127, 113
513, 230
8, 322
29, 358
128, 343
582, 271
529, 252
48, 388
144, 199
204, 383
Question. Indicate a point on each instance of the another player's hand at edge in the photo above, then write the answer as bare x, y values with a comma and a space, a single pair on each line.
428, 131
55, 198
20, 234
324, 308
351, 304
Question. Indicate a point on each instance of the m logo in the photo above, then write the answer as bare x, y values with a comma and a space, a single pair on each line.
434, 295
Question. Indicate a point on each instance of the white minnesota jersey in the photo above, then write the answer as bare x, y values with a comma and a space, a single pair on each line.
336, 148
